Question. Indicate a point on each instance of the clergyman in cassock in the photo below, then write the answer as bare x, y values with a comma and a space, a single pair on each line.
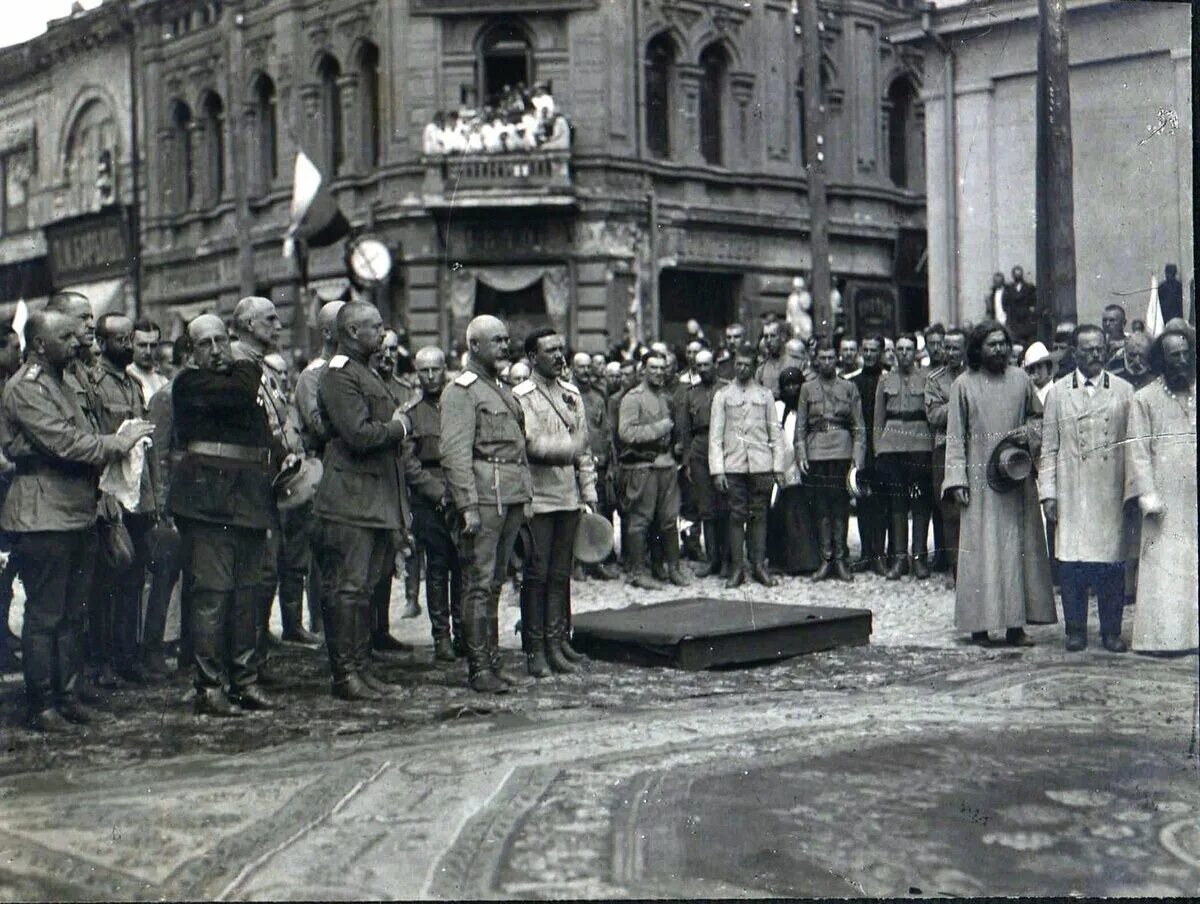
1160, 474
1003, 569
1081, 478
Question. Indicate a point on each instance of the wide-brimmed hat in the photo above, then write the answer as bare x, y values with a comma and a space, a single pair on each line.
593, 538
297, 484
1036, 354
1010, 464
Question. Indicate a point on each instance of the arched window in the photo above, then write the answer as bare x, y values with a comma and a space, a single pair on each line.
372, 110
505, 61
904, 141
333, 151
93, 131
182, 187
660, 71
266, 132
713, 63
213, 111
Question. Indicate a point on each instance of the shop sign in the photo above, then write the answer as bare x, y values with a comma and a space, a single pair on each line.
93, 246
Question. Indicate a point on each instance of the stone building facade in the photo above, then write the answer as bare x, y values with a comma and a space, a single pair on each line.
683, 194
67, 209
1131, 122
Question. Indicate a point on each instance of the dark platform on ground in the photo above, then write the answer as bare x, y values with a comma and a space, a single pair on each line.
702, 633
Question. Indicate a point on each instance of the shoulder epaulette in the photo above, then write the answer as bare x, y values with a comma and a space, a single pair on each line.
33, 371
466, 378
569, 386
316, 363
413, 402
523, 388
338, 361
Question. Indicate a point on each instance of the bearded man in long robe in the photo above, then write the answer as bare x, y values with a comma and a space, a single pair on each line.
1160, 474
1003, 569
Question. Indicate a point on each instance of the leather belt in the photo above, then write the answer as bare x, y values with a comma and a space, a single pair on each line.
250, 454
492, 460
907, 416
30, 467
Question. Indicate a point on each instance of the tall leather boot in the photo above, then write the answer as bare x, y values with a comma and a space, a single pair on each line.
291, 609
457, 633
381, 640
412, 585
840, 522
737, 554
555, 601
691, 544
437, 598
475, 635
825, 539
758, 550
920, 541
495, 661
899, 525
712, 551
315, 595
533, 629
564, 642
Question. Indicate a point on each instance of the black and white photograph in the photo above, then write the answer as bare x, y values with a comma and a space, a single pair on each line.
598, 449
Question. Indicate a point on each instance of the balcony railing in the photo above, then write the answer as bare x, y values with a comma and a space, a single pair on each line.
519, 177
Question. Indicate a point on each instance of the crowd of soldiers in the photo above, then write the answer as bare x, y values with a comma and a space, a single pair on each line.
246, 486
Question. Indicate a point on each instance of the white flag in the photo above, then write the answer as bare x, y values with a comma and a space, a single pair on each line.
1154, 321
20, 318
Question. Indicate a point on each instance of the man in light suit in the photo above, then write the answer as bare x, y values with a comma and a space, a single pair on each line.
1081, 480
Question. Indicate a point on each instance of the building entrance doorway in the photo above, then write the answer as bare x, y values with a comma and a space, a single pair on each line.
523, 310
710, 298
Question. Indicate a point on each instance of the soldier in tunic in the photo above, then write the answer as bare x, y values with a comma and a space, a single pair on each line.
745, 458
937, 400
1160, 474
1003, 569
712, 507
361, 502
1081, 482
483, 455
564, 482
430, 504
830, 437
904, 452
871, 507
773, 362
50, 515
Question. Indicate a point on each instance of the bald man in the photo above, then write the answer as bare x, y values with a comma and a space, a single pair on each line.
483, 454
224, 506
362, 502
50, 515
430, 499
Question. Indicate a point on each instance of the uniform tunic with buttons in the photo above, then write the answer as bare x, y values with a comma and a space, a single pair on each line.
273, 396
645, 427
829, 422
937, 401
556, 444
595, 408
1082, 466
363, 483
744, 435
120, 399
57, 452
423, 453
483, 442
899, 415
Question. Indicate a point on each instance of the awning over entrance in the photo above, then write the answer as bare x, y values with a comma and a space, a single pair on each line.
556, 287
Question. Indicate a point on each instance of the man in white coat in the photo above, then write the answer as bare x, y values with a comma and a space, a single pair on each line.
1081, 479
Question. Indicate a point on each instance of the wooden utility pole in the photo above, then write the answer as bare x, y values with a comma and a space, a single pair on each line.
814, 146
1055, 196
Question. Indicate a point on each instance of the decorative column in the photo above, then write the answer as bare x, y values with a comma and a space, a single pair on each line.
741, 86
193, 171
686, 124
310, 123
352, 131
167, 171
252, 151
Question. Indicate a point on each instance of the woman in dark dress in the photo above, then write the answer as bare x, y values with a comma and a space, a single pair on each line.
791, 536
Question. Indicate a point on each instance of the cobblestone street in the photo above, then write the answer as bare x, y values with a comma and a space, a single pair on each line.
914, 765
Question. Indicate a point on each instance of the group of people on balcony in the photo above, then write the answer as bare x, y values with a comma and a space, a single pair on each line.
518, 120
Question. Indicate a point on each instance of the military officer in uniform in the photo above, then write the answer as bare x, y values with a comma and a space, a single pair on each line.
483, 454
595, 409
258, 328
904, 454
830, 437
712, 508
223, 504
50, 514
564, 481
937, 400
116, 600
305, 414
430, 501
745, 458
362, 502
649, 486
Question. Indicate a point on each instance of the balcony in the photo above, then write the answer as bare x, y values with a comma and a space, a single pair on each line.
521, 179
